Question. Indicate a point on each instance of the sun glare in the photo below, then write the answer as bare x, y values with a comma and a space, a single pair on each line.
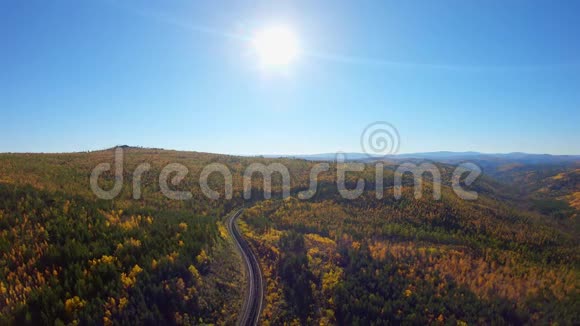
276, 46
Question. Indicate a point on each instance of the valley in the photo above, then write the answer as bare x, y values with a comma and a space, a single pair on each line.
326, 260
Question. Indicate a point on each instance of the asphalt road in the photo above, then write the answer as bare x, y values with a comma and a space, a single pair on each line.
252, 304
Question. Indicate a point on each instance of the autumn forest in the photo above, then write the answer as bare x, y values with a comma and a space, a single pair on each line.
67, 257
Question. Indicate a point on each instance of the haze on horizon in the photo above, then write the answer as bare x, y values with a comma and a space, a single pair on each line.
188, 75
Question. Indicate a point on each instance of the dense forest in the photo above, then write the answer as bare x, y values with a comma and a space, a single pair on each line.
65, 260
422, 261
67, 257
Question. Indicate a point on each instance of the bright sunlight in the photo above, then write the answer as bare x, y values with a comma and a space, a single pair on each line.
276, 46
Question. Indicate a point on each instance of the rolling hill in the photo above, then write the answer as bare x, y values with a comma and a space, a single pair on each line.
67, 256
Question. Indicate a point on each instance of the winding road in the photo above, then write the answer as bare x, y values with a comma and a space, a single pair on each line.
252, 304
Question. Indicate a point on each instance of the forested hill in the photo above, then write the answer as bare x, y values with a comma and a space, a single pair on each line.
68, 257
417, 261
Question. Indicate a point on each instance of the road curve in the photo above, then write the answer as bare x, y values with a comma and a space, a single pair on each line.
252, 304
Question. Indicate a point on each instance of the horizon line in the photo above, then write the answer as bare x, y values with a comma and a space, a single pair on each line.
291, 155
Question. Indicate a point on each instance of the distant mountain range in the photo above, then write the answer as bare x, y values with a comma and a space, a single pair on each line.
443, 156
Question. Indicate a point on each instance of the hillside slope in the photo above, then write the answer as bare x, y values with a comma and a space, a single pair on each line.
67, 256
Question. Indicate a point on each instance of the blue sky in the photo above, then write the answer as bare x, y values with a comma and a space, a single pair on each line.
493, 76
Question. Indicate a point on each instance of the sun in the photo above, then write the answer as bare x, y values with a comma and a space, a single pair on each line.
276, 46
